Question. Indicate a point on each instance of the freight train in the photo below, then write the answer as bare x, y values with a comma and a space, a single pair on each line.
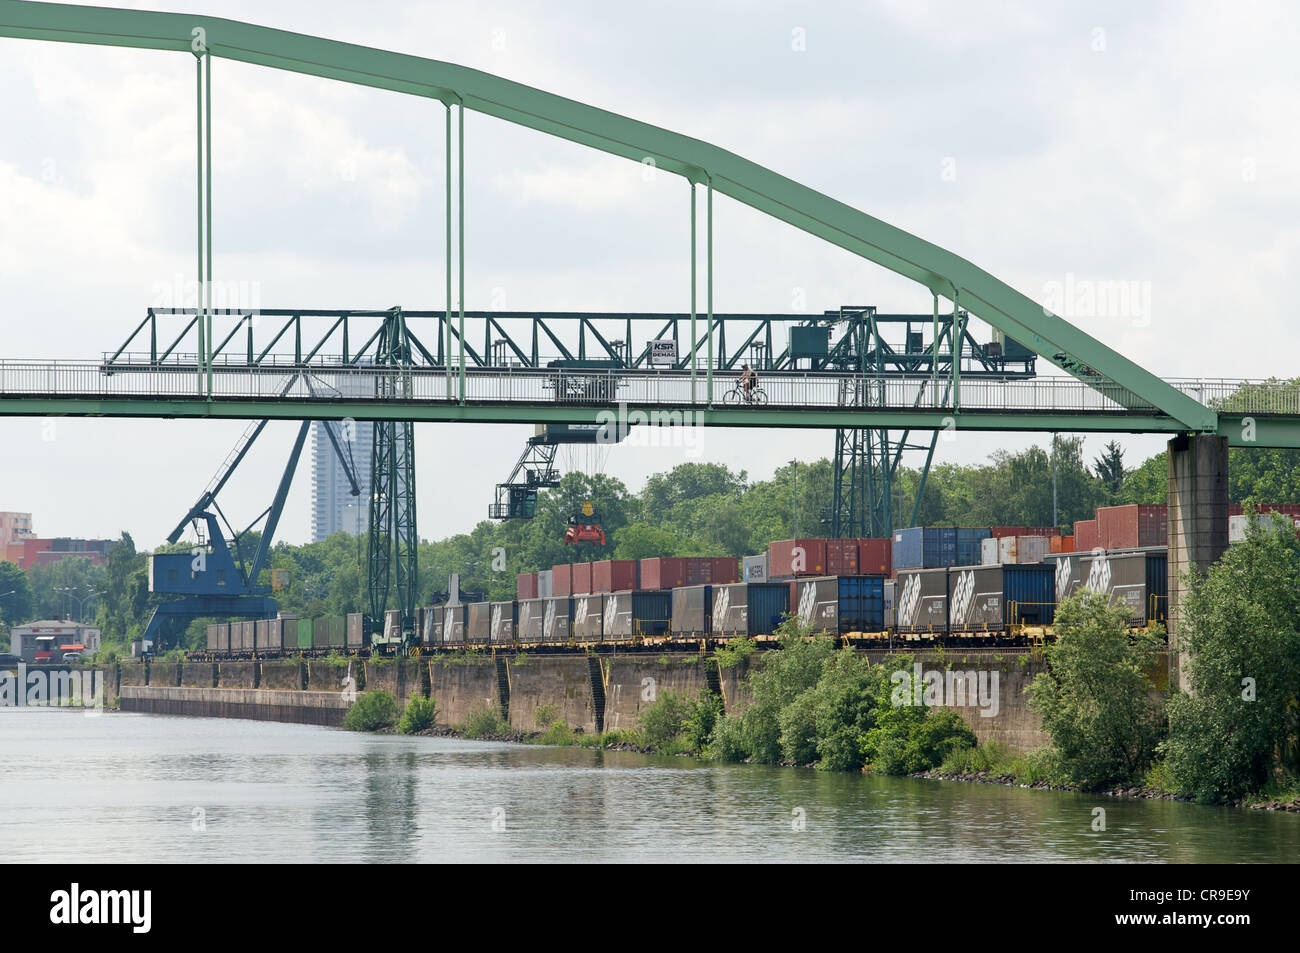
1001, 604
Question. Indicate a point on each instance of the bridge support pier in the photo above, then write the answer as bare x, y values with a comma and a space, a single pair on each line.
1198, 522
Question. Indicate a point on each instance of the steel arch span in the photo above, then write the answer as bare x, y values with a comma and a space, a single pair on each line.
945, 274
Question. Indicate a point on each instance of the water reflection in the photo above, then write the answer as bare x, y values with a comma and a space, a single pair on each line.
297, 793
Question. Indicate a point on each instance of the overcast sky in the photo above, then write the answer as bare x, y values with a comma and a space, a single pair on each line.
1046, 142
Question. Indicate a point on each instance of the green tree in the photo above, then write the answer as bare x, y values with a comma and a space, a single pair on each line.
1109, 468
1096, 698
15, 595
1237, 730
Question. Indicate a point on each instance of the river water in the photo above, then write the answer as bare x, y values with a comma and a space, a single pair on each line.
124, 787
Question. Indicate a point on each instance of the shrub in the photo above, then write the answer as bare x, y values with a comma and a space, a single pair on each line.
545, 715
735, 652
420, 714
798, 724
662, 722
558, 733
728, 742
1096, 697
372, 711
701, 720
484, 720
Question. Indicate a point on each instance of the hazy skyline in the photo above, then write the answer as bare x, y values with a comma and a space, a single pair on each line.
1047, 143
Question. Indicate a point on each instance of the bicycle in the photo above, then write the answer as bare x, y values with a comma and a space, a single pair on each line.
738, 395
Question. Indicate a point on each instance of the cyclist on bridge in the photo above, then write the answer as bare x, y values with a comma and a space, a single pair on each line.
748, 380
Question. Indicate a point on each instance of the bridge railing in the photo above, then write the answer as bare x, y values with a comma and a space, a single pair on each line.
610, 387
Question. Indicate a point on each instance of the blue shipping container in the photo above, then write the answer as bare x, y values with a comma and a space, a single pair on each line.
991, 598
926, 547
841, 604
968, 546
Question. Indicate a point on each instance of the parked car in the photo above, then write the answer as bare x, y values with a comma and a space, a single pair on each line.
71, 656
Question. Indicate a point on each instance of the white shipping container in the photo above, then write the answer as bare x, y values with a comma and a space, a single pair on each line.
989, 551
1023, 549
545, 584
756, 568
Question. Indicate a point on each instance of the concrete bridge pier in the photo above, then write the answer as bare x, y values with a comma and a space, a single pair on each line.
1198, 522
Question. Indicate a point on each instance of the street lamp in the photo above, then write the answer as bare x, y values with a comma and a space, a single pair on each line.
80, 601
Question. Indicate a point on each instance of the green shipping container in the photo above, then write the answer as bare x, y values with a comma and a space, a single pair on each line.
320, 633
304, 633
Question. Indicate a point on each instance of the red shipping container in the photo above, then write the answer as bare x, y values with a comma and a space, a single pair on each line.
526, 585
581, 579
663, 572
562, 580
997, 532
1085, 536
875, 556
1291, 509
841, 557
1132, 526
725, 570
1067, 544
698, 570
810, 553
613, 575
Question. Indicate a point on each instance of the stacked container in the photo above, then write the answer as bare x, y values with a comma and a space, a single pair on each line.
1085, 536
526, 585
545, 587
875, 556
925, 547
796, 557
968, 546
614, 575
562, 580
663, 572
1132, 527
581, 578
1023, 549
755, 568
841, 557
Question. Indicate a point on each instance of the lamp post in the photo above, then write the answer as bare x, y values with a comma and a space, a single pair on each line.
795, 464
80, 601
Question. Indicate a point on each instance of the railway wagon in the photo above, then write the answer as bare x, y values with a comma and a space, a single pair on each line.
1138, 580
530, 619
632, 615
355, 629
219, 638
453, 625
478, 623
588, 618
328, 632
303, 634
692, 611
994, 598
287, 631
504, 616
247, 635
839, 605
749, 608
921, 601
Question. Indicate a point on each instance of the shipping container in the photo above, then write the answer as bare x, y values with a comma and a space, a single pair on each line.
288, 633
839, 605
581, 578
1136, 580
505, 615
755, 568
588, 618
1133, 526
692, 610
1085, 536
989, 554
698, 571
247, 630
841, 557
219, 637
891, 586
998, 532
530, 615
305, 627
924, 547
992, 598
921, 601
431, 630
562, 579
262, 636
526, 585
637, 615
796, 557
557, 626
453, 624
724, 570
355, 628
749, 608
614, 575
968, 545
545, 589
478, 623
875, 555
1023, 549
663, 572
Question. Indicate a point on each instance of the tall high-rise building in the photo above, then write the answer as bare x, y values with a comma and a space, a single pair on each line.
333, 507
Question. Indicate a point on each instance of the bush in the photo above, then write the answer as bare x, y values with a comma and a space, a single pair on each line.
1237, 732
844, 705
484, 720
798, 724
992, 756
545, 715
1096, 697
728, 741
372, 711
662, 722
558, 733
735, 652
701, 720
420, 715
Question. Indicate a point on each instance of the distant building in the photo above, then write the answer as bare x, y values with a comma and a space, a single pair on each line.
14, 528
54, 636
333, 507
33, 551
